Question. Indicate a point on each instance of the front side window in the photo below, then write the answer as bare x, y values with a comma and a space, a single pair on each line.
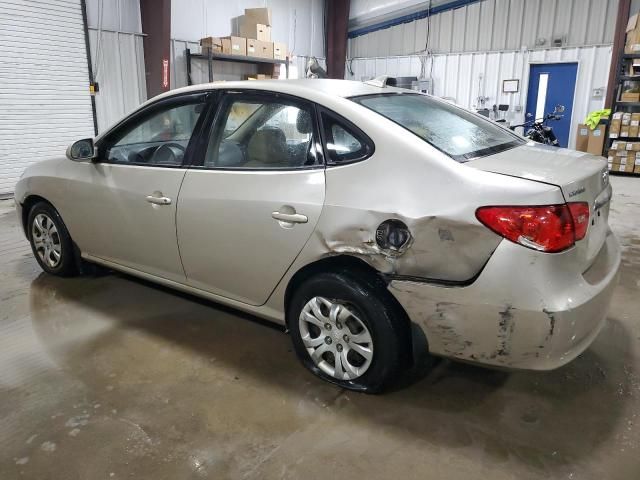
262, 134
454, 131
160, 139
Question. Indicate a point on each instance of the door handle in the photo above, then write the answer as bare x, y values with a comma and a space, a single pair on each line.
290, 217
158, 200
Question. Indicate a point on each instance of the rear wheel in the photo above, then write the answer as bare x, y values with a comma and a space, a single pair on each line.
346, 330
50, 241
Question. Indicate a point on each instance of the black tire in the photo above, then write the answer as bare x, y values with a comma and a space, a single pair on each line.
66, 265
387, 325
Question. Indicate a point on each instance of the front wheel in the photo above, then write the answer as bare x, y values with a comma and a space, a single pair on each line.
347, 330
50, 241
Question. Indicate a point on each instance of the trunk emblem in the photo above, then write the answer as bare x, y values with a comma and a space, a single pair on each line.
577, 192
605, 178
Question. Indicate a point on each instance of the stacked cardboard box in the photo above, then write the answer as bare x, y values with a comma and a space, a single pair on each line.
591, 141
253, 39
624, 157
227, 45
625, 125
632, 44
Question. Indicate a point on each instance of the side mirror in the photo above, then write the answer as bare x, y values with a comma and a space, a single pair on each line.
82, 150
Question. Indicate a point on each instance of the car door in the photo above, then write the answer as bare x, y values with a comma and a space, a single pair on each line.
252, 199
127, 203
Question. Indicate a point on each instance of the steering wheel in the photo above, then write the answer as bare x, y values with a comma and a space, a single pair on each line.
168, 154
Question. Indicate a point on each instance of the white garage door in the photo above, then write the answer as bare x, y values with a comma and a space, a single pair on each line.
44, 83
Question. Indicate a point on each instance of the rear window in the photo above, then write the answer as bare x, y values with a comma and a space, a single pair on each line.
450, 129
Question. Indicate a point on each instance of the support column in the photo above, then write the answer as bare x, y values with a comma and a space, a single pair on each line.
619, 38
156, 24
337, 22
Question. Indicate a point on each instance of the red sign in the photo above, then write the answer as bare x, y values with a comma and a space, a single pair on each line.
165, 73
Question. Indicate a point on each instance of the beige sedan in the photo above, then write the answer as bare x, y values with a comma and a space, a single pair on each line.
375, 223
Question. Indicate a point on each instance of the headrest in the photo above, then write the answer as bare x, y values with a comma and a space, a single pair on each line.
268, 146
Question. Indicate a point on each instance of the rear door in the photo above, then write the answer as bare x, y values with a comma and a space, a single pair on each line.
253, 197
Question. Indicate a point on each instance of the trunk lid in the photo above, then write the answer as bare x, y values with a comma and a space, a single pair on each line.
581, 177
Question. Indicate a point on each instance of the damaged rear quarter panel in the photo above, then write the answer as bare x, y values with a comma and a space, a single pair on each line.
432, 194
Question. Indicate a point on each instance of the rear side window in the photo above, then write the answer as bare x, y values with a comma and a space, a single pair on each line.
343, 143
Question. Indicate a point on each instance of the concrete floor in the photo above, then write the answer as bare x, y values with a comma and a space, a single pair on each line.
110, 377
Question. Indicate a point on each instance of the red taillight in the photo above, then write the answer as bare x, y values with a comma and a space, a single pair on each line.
580, 215
548, 228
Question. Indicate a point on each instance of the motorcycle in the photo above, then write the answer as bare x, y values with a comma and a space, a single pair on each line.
538, 131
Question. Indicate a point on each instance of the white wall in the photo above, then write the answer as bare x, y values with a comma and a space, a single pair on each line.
117, 58
299, 23
493, 25
466, 76
114, 15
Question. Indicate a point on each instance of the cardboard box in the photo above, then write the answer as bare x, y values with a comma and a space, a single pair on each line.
595, 144
256, 31
213, 43
635, 119
259, 15
614, 129
257, 48
280, 51
234, 45
634, 130
630, 97
255, 24
626, 119
629, 167
624, 132
632, 44
259, 76
582, 138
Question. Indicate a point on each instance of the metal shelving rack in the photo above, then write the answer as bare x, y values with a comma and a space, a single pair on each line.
630, 107
210, 57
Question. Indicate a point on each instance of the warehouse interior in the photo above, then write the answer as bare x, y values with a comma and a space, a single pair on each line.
121, 372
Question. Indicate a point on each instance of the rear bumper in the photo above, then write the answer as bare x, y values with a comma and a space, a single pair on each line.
523, 311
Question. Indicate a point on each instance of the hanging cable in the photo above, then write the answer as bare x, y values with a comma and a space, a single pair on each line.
98, 56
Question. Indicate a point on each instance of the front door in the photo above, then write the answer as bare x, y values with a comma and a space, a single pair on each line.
251, 202
552, 84
126, 201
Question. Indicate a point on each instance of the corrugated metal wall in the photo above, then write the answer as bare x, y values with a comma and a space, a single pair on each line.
44, 83
466, 76
493, 25
118, 66
299, 23
117, 58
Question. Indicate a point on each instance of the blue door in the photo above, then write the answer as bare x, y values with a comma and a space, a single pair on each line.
552, 84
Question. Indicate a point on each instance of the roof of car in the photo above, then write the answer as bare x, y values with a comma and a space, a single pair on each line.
306, 88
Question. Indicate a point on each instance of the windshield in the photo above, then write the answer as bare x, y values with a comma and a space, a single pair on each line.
454, 131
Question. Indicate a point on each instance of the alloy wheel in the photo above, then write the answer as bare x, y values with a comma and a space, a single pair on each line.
46, 240
337, 340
